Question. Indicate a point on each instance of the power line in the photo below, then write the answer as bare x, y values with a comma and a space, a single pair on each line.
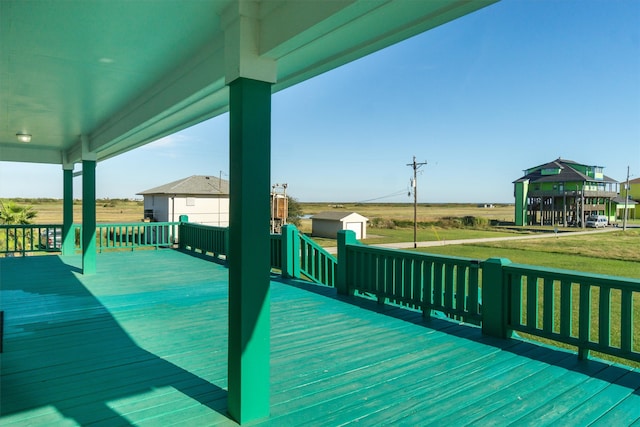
396, 193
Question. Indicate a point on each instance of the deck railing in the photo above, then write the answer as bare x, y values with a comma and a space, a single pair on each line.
448, 285
204, 239
276, 251
589, 311
316, 263
297, 255
30, 238
135, 235
27, 238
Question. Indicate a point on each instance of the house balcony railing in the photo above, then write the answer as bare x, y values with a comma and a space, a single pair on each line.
590, 312
572, 193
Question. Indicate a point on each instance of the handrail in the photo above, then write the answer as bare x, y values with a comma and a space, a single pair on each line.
316, 263
542, 302
416, 280
204, 239
135, 235
27, 238
588, 311
276, 251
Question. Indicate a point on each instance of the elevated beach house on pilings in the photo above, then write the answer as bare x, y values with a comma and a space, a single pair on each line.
563, 192
204, 199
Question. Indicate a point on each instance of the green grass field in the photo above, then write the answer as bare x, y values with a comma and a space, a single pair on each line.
616, 253
107, 211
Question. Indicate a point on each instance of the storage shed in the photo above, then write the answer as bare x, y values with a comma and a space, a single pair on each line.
327, 224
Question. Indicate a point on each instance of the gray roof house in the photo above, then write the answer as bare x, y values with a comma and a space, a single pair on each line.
204, 199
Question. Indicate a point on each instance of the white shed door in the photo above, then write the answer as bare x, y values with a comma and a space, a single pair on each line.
356, 227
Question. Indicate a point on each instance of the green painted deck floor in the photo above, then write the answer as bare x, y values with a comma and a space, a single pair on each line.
143, 342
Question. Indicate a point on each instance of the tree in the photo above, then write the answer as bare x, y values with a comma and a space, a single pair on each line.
295, 211
12, 213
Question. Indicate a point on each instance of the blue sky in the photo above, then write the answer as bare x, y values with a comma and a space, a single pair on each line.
480, 99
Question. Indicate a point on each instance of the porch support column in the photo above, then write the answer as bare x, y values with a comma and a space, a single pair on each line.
249, 249
68, 235
88, 209
249, 76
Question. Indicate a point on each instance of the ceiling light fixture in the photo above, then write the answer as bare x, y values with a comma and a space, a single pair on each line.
23, 137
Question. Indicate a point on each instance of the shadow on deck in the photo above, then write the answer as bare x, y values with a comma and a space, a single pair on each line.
144, 342
65, 349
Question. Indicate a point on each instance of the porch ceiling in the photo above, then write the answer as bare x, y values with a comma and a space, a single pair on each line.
122, 73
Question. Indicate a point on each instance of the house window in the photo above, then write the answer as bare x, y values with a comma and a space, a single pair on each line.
191, 201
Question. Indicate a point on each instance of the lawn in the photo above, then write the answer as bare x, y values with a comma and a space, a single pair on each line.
404, 211
616, 253
107, 210
432, 234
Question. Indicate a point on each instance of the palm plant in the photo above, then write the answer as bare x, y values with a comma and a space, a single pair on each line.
14, 214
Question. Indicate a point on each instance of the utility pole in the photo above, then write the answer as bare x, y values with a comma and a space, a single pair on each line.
626, 203
414, 185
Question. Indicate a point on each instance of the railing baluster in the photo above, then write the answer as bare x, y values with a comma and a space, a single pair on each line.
427, 287
461, 284
473, 299
407, 282
515, 281
448, 285
549, 305
604, 316
532, 302
566, 309
626, 321
417, 275
437, 283
584, 322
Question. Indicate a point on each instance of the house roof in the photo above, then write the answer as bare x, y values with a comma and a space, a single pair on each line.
635, 181
620, 201
195, 185
567, 173
339, 216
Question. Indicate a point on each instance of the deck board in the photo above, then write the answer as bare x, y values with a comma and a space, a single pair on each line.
144, 342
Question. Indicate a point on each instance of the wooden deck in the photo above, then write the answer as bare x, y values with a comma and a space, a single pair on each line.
143, 342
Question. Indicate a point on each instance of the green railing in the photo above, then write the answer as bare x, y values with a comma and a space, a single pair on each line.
449, 285
23, 239
135, 235
316, 263
589, 311
296, 255
28, 238
204, 239
276, 251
